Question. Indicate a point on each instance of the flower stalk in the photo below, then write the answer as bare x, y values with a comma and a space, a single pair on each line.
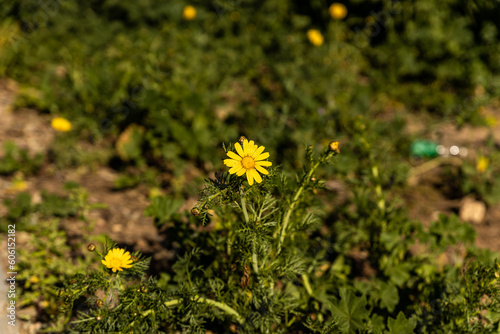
228, 309
295, 199
255, 263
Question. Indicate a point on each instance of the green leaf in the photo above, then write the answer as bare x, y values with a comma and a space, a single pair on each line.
390, 239
401, 324
399, 275
350, 311
163, 208
389, 296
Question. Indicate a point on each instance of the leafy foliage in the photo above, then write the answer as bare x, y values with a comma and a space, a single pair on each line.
16, 159
149, 92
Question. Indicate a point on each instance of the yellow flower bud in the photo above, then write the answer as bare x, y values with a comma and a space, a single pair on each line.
334, 147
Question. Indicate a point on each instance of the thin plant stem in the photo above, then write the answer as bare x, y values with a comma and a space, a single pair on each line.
288, 214
307, 284
255, 263
229, 310
213, 196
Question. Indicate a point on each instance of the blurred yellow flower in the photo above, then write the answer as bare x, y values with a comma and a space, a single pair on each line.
116, 259
61, 124
189, 13
34, 279
338, 11
17, 186
155, 192
315, 37
491, 121
482, 164
248, 160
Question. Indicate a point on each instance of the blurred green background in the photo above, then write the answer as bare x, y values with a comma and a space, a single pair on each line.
167, 88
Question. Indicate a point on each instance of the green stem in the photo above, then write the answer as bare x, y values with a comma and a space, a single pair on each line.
229, 310
213, 196
288, 214
255, 263
229, 242
307, 284
244, 206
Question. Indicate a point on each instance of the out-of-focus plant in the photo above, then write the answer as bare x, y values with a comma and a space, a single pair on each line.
19, 160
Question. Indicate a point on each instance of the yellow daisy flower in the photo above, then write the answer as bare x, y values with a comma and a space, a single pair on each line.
189, 13
338, 11
116, 259
315, 37
248, 160
61, 124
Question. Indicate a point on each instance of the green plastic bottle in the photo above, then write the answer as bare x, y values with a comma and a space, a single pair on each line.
424, 149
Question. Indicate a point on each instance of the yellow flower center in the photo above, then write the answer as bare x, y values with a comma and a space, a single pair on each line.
248, 162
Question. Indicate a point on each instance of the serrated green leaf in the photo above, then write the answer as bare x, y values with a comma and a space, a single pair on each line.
389, 296
162, 208
401, 325
350, 311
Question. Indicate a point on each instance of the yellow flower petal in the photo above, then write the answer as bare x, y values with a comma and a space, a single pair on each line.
258, 151
236, 169
256, 175
262, 156
249, 177
233, 155
230, 162
246, 147
239, 149
253, 148
241, 171
261, 170
263, 163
